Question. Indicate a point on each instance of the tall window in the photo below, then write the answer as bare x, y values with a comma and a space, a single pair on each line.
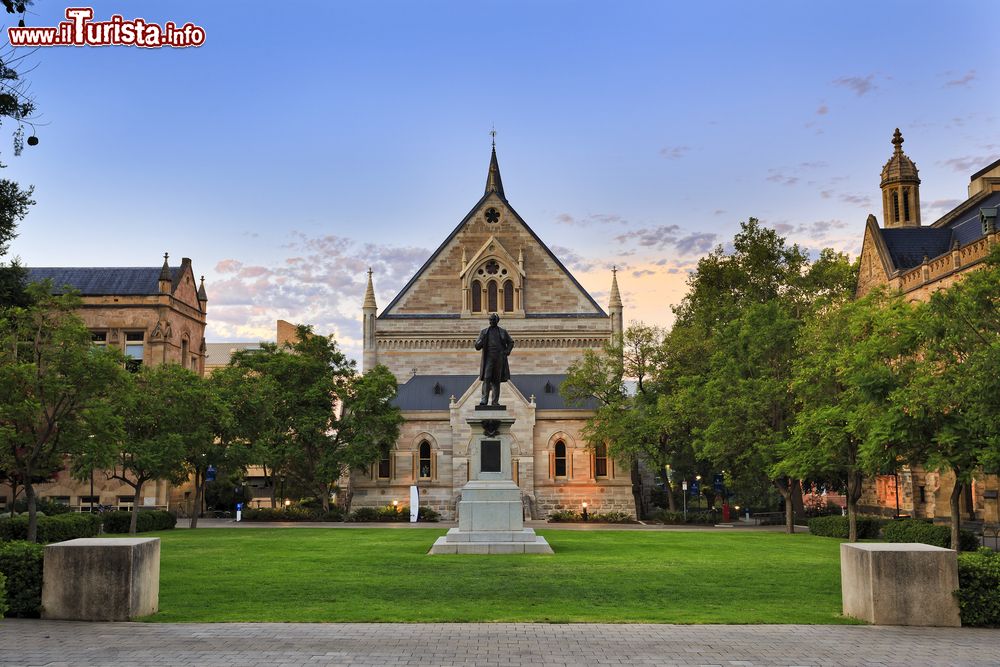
425, 460
560, 459
508, 297
895, 205
477, 296
491, 296
134, 350
184, 353
906, 204
99, 338
385, 466
601, 461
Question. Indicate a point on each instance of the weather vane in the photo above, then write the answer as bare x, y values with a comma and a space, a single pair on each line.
493, 133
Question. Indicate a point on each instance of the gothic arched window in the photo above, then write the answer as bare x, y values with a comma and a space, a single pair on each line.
491, 296
895, 205
508, 297
906, 204
425, 460
560, 467
477, 296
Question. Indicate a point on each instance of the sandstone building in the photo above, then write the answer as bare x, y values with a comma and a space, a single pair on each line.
917, 260
155, 315
491, 262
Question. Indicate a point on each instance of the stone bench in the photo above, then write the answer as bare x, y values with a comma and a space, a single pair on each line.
101, 579
900, 584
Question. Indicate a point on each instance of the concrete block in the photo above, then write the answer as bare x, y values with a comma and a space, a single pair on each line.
900, 584
441, 546
507, 548
101, 579
540, 546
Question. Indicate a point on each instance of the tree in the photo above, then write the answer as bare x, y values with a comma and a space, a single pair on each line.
331, 418
164, 420
56, 391
850, 358
948, 403
14, 203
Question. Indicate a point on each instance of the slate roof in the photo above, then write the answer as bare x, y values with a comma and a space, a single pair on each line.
418, 393
101, 281
909, 245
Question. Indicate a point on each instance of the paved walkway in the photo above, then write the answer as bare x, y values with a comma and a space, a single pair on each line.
27, 643
444, 525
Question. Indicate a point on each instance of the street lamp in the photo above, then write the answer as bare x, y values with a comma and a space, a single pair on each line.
585, 516
395, 505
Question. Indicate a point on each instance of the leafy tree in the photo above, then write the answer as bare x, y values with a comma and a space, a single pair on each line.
948, 403
14, 203
849, 359
167, 414
56, 391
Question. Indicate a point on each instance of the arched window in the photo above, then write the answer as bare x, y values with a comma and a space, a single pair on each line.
425, 460
906, 204
560, 467
508, 297
601, 460
184, 352
491, 296
385, 466
477, 296
895, 205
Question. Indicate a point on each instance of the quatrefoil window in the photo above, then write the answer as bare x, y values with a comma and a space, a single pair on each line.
492, 267
492, 215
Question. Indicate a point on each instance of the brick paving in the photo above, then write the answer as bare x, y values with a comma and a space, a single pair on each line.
30, 642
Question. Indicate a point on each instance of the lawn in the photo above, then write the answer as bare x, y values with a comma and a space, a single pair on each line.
304, 574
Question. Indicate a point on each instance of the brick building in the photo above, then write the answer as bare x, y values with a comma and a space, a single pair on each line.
155, 315
491, 262
917, 260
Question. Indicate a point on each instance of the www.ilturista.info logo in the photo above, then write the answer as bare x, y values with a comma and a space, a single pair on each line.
80, 30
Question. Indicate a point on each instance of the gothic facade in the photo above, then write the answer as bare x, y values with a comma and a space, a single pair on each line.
492, 262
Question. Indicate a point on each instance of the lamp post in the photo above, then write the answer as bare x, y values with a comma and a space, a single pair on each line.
684, 488
395, 506
697, 478
585, 516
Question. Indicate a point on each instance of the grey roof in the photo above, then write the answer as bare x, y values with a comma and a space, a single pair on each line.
434, 392
909, 245
219, 354
100, 281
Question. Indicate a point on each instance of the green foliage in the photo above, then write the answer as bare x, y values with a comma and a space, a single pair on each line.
49, 507
14, 203
57, 528
564, 516
569, 516
293, 514
925, 532
979, 587
21, 565
3, 595
838, 526
146, 521
392, 514
667, 517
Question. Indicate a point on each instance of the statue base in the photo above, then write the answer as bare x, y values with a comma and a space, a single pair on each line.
490, 407
490, 513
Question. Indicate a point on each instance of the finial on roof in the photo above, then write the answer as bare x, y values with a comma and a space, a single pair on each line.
493, 135
493, 181
202, 295
616, 296
897, 141
370, 292
165, 269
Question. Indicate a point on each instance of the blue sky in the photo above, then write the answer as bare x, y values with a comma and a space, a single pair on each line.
305, 141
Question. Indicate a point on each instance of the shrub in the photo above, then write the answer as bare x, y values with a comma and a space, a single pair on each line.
364, 514
3, 595
910, 530
563, 516
677, 518
119, 522
979, 587
427, 514
50, 507
21, 566
838, 526
612, 517
51, 528
278, 514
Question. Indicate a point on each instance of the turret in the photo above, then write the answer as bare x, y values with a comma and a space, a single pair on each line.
165, 282
615, 307
369, 310
900, 188
202, 296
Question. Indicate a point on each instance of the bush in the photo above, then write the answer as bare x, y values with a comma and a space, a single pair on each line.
50, 507
563, 516
119, 522
677, 518
838, 526
612, 517
364, 514
427, 514
21, 566
51, 528
569, 516
910, 530
979, 587
3, 595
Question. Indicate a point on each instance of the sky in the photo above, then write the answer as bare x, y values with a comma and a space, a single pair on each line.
307, 141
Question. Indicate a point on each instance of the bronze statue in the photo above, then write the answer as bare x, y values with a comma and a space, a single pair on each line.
496, 345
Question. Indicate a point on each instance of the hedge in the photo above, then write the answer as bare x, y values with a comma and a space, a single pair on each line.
292, 514
678, 518
50, 507
51, 528
569, 516
21, 566
120, 521
910, 530
390, 513
979, 587
3, 595
838, 526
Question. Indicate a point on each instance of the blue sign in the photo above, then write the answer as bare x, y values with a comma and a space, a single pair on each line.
210, 474
239, 507
694, 486
717, 482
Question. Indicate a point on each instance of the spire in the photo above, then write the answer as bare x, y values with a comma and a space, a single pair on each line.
370, 292
616, 296
202, 295
165, 270
897, 141
493, 182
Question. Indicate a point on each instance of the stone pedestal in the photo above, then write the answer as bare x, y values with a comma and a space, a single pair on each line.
900, 584
101, 579
490, 513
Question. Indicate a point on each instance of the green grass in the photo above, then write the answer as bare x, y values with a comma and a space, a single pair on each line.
596, 576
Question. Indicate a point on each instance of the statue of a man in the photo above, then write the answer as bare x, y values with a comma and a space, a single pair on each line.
496, 345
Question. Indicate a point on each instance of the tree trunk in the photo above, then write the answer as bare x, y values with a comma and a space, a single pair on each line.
199, 486
13, 496
784, 487
325, 498
970, 501
135, 508
798, 506
671, 503
640, 506
29, 494
853, 494
348, 496
956, 512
